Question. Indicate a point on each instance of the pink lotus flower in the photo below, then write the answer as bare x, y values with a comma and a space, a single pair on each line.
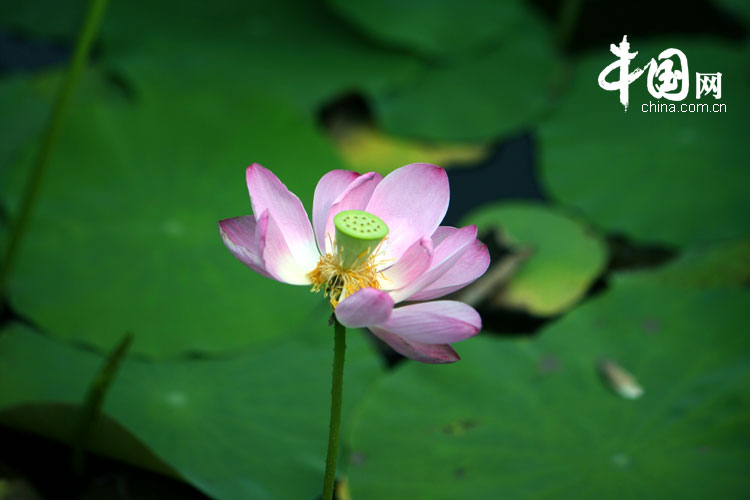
419, 260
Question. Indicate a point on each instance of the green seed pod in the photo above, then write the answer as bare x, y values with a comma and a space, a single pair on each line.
358, 234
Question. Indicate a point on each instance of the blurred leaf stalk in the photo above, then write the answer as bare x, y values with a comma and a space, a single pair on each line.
77, 64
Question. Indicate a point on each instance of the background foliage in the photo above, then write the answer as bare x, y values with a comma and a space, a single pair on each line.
615, 237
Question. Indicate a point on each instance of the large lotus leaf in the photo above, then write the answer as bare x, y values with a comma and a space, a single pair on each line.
21, 117
236, 428
479, 98
444, 28
533, 419
566, 255
366, 149
658, 176
124, 237
726, 264
225, 19
292, 48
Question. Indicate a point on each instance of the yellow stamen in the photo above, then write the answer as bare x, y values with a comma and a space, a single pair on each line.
338, 283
